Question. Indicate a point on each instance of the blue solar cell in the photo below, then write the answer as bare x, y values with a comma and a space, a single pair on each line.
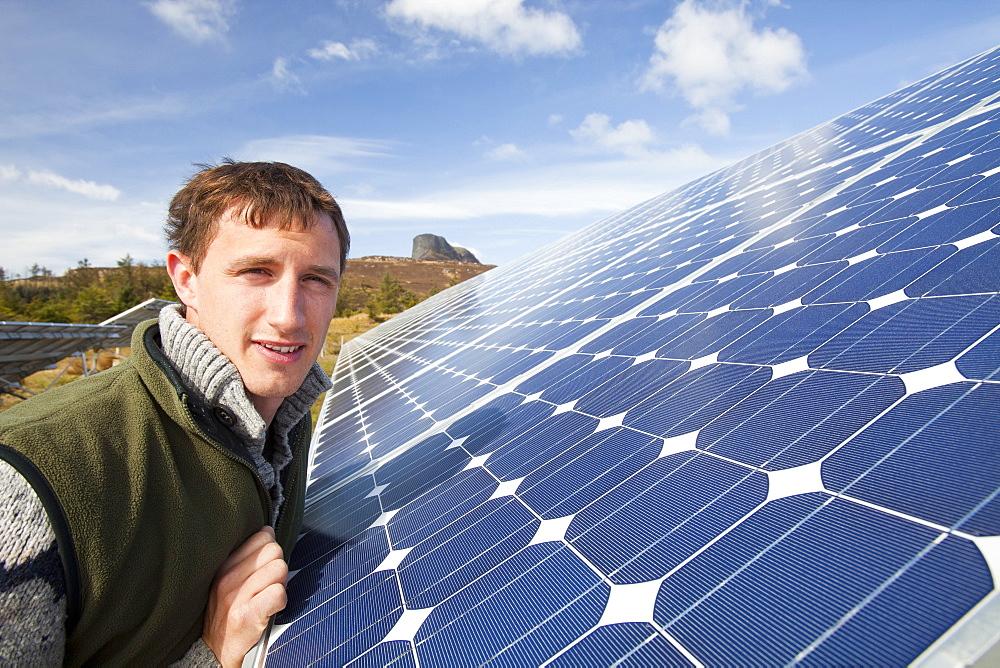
478, 541
878, 276
857, 241
911, 335
520, 456
722, 294
567, 334
579, 475
661, 516
795, 420
982, 362
672, 275
787, 286
621, 333
340, 450
572, 377
513, 363
420, 468
630, 644
947, 226
678, 298
941, 587
322, 580
737, 263
399, 432
520, 626
335, 519
695, 399
439, 507
785, 255
921, 201
792, 334
344, 627
652, 337
976, 164
975, 269
980, 192
460, 395
629, 388
487, 428
713, 334
897, 463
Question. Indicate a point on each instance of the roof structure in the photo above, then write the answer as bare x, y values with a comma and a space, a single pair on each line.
753, 421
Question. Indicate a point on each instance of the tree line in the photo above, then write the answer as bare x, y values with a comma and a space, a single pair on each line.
86, 294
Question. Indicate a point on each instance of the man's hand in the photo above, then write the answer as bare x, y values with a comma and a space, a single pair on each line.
249, 587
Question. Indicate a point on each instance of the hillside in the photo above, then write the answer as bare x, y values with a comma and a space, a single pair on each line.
364, 275
376, 284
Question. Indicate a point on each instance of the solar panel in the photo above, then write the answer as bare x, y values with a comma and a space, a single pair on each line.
130, 318
27, 347
750, 422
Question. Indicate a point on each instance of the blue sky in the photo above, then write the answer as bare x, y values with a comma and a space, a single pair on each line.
499, 124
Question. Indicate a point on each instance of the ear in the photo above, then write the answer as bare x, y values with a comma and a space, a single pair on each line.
183, 277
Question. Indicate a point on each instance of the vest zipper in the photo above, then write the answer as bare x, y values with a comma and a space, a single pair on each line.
236, 457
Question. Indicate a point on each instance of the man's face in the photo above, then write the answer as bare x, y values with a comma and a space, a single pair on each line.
265, 298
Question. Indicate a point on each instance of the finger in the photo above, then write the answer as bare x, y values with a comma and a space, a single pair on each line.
269, 601
250, 547
234, 579
271, 573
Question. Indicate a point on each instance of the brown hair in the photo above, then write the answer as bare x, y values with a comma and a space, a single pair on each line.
262, 192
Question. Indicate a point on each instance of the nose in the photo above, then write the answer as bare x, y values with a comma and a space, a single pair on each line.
286, 306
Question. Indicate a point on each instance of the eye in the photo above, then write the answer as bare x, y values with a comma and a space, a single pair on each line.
253, 272
321, 280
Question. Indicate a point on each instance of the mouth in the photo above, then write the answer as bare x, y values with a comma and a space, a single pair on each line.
284, 350
280, 353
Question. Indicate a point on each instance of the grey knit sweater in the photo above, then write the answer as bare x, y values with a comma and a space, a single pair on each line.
32, 586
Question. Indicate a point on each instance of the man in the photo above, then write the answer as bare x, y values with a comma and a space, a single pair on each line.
145, 510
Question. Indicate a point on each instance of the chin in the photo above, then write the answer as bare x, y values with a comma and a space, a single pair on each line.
279, 389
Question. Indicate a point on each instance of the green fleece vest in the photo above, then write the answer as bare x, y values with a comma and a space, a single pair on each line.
148, 492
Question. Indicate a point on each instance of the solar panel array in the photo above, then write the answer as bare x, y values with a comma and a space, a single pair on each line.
27, 347
753, 421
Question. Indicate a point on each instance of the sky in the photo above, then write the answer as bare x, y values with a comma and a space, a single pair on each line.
501, 125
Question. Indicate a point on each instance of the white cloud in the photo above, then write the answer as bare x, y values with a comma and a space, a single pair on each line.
556, 119
317, 154
102, 112
358, 50
9, 173
88, 189
56, 232
632, 137
505, 152
282, 77
195, 20
711, 55
505, 26
584, 189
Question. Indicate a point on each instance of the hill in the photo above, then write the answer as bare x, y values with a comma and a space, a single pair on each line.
365, 277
